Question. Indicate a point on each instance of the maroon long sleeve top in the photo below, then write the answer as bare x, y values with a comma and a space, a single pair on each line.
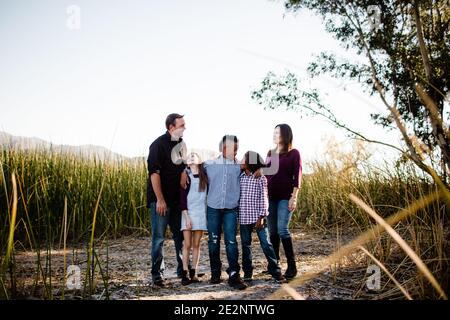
289, 175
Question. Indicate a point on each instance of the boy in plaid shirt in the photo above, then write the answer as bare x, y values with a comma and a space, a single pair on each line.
253, 210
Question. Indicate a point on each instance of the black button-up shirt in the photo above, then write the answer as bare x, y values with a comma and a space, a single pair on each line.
166, 158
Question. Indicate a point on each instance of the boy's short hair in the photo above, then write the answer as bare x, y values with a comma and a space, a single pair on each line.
228, 138
254, 161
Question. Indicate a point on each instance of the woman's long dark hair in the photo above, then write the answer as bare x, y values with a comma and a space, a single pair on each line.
286, 137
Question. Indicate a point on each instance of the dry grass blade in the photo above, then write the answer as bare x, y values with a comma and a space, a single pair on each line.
90, 269
291, 291
65, 243
4, 183
402, 243
94, 219
378, 262
10, 244
359, 241
12, 224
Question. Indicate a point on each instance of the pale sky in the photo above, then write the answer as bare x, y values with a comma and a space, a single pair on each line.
113, 81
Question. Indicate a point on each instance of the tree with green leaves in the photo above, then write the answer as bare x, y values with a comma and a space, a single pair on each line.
405, 45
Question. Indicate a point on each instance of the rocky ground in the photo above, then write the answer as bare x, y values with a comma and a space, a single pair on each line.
126, 265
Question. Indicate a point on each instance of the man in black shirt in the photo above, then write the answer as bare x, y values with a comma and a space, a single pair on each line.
165, 164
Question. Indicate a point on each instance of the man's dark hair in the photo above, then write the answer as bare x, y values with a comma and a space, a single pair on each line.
229, 138
254, 161
171, 118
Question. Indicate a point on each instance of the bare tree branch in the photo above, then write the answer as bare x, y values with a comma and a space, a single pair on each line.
423, 47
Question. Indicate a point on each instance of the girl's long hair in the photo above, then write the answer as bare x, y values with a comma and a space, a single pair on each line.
203, 185
254, 161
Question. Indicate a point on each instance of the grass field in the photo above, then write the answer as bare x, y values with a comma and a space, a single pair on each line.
50, 200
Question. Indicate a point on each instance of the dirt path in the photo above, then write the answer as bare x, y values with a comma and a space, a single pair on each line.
129, 271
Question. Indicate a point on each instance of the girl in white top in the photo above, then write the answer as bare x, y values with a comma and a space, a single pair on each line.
193, 218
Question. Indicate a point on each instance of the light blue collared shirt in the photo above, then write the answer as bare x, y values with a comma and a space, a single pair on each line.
224, 183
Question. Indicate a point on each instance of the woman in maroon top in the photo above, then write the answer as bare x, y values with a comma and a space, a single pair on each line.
284, 174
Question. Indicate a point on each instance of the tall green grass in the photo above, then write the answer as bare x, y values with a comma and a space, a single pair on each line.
46, 178
59, 198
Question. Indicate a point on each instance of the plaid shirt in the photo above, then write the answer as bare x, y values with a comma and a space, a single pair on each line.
253, 202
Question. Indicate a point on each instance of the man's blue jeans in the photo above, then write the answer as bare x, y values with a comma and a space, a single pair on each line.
246, 240
279, 218
228, 219
159, 226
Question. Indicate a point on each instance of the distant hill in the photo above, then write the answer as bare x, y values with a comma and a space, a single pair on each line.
9, 141
84, 151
